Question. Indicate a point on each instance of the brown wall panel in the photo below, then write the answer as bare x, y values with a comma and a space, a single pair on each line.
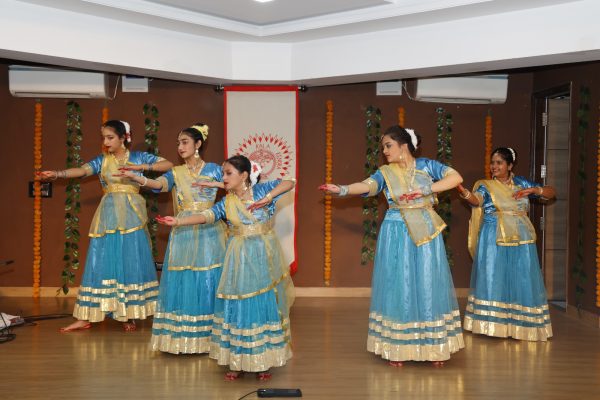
183, 103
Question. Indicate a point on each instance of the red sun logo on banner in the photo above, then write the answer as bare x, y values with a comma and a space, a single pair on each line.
271, 152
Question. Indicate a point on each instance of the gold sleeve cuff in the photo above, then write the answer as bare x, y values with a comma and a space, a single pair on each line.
209, 215
163, 181
449, 171
88, 169
288, 178
373, 186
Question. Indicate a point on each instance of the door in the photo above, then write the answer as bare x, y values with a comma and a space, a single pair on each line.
550, 166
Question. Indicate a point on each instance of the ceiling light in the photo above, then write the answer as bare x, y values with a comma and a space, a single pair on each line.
263, 1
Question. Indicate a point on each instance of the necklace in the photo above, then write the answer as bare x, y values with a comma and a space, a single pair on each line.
196, 168
508, 182
244, 196
123, 159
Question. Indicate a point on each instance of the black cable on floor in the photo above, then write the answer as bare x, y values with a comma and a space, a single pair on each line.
32, 318
248, 394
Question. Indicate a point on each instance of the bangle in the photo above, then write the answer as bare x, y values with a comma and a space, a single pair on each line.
55, 175
344, 189
61, 174
145, 181
269, 197
426, 190
177, 222
466, 196
149, 167
541, 192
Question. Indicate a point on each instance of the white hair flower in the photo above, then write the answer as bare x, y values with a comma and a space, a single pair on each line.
413, 137
255, 170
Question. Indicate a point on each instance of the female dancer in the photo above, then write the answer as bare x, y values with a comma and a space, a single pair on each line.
507, 298
119, 280
414, 313
251, 330
194, 256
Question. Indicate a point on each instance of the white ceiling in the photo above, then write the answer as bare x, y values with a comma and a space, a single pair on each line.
274, 12
299, 41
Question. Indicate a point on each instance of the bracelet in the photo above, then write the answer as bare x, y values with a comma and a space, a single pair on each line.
541, 193
466, 196
149, 167
55, 175
145, 181
426, 190
61, 174
269, 197
344, 189
177, 221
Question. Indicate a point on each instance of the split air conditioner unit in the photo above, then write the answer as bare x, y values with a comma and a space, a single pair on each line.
481, 89
25, 81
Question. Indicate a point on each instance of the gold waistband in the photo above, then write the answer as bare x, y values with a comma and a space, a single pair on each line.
518, 213
249, 230
196, 205
396, 206
121, 188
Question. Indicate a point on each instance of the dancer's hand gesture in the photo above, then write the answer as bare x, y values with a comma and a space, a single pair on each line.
330, 188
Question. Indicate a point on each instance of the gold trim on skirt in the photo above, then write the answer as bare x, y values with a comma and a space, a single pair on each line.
381, 345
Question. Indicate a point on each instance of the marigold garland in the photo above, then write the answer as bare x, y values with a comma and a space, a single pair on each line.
104, 114
401, 116
37, 199
328, 179
488, 146
598, 220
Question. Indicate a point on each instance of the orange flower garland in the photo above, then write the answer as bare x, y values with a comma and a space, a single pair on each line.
488, 145
401, 116
328, 179
104, 114
598, 222
37, 199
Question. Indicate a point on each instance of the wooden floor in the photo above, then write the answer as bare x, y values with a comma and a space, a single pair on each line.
330, 362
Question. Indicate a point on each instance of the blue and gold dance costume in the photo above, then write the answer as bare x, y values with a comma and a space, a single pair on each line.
507, 296
251, 330
119, 280
192, 268
414, 313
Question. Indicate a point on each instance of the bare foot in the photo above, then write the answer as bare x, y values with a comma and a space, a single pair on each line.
75, 326
396, 363
129, 326
437, 364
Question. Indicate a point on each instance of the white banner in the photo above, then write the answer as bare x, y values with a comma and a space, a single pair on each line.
262, 124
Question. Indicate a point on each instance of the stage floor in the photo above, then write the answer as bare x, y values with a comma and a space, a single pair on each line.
330, 362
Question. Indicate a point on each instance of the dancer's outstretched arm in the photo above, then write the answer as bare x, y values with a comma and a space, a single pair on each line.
354, 189
174, 221
64, 174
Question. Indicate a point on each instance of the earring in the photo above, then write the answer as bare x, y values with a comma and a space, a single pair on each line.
122, 145
196, 154
401, 158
